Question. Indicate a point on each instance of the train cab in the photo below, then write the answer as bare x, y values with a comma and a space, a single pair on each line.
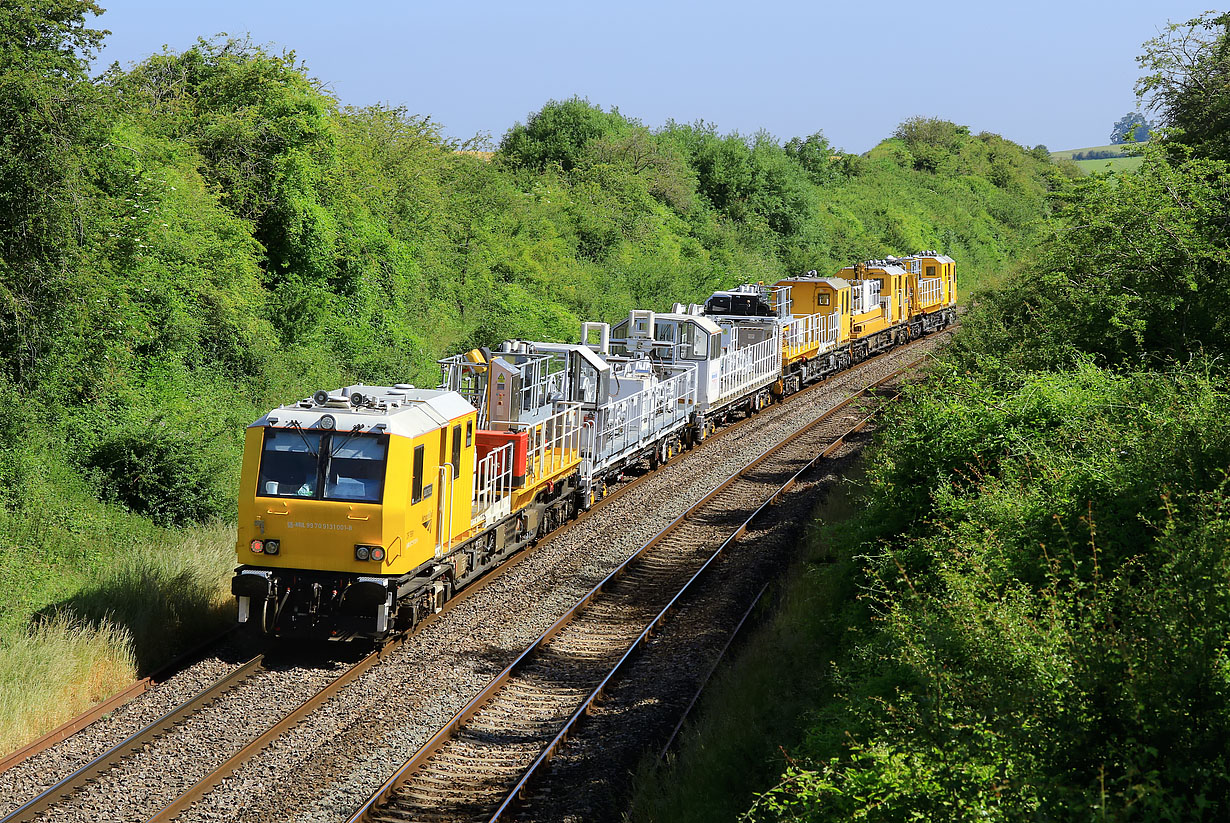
341, 494
932, 291
937, 280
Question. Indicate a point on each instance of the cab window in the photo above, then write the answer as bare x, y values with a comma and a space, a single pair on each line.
353, 468
290, 464
822, 299
323, 466
664, 332
417, 495
456, 451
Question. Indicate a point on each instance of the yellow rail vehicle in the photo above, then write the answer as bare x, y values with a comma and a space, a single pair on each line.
836, 321
362, 511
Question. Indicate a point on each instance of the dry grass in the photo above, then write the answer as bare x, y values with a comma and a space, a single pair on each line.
155, 601
57, 670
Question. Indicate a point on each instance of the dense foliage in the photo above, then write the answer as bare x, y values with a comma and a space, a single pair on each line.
208, 232
1044, 561
186, 242
1187, 82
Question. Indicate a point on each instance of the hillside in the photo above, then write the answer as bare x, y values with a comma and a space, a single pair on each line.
1112, 158
192, 240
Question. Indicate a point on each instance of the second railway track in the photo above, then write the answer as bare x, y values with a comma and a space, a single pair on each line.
476, 766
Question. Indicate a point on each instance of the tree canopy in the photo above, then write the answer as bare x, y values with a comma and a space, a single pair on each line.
1186, 81
1130, 128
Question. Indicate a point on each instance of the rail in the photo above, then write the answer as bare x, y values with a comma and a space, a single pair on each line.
431, 748
63, 788
79, 779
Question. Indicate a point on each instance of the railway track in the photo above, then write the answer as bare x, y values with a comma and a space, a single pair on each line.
477, 766
67, 788
60, 795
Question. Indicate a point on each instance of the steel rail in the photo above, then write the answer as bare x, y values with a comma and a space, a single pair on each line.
77, 780
203, 786
143, 685
436, 742
73, 782
584, 709
704, 683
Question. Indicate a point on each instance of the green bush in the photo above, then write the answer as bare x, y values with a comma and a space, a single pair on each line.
156, 470
1046, 563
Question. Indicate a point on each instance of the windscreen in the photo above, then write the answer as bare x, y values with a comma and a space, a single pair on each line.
333, 466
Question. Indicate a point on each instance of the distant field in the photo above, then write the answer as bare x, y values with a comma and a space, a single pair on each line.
1111, 164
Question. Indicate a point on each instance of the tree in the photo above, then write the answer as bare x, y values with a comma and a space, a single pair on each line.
1187, 82
816, 157
559, 132
49, 112
1131, 128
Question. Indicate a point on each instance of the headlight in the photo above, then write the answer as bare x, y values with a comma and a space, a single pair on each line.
272, 546
257, 546
377, 554
361, 553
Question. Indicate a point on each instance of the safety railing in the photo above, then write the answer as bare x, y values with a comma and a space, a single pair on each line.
929, 291
493, 478
744, 369
782, 302
625, 425
555, 441
467, 378
810, 331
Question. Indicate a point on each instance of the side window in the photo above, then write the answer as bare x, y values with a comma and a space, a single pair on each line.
456, 451
469, 433
715, 347
418, 474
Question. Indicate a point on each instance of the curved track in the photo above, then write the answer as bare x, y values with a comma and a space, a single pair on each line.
476, 766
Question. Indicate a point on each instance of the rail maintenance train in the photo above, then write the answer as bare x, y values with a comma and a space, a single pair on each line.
364, 509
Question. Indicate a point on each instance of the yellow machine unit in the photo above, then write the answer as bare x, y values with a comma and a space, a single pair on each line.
935, 276
361, 511
364, 484
817, 311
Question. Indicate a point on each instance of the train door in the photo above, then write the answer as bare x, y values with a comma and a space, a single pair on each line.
444, 482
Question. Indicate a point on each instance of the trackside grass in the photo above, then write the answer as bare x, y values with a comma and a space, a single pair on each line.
57, 670
151, 601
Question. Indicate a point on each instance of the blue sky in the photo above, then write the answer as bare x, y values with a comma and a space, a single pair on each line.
1058, 73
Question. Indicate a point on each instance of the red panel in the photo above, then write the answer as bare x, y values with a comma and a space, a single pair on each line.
486, 442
